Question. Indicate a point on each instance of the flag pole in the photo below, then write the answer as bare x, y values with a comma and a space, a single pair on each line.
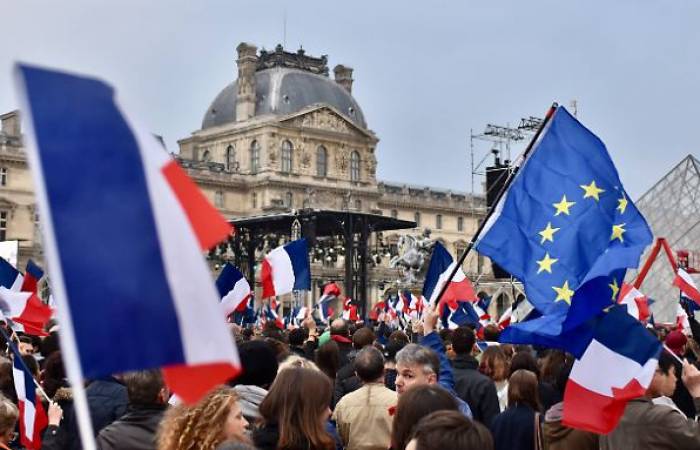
502, 192
15, 351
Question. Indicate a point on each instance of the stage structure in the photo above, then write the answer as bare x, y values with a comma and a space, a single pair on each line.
330, 234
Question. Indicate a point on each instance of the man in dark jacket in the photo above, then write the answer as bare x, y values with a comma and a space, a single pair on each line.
471, 385
136, 430
107, 399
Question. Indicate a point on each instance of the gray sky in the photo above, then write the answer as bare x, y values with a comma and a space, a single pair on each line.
424, 75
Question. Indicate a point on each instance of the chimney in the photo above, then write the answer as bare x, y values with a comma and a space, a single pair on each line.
343, 76
10, 124
247, 63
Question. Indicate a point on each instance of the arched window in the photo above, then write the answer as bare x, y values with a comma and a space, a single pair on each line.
254, 157
288, 200
286, 157
355, 166
230, 158
321, 161
438, 221
416, 218
206, 156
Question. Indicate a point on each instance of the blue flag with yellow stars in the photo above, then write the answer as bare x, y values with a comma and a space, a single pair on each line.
565, 227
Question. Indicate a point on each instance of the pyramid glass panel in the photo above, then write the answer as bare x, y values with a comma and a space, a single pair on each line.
672, 209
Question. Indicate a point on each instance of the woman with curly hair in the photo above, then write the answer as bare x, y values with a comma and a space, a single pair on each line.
295, 412
215, 419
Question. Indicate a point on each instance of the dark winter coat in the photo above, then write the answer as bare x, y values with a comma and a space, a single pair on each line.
514, 428
135, 430
475, 388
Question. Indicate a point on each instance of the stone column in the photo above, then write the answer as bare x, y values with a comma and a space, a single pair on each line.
247, 62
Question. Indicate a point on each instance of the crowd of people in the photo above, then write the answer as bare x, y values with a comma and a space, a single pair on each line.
362, 386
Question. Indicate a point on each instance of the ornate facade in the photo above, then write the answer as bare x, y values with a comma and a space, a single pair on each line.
283, 136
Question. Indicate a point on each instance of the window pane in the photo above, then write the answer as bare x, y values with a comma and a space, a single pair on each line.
321, 161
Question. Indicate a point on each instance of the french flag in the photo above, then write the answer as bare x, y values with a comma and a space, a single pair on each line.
636, 303
687, 285
233, 288
441, 265
32, 275
28, 313
330, 291
32, 417
286, 269
124, 232
617, 366
325, 311
350, 311
10, 277
272, 315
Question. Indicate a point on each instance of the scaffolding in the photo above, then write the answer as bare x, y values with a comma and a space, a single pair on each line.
499, 141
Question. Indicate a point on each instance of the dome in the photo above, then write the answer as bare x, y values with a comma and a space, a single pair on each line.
284, 91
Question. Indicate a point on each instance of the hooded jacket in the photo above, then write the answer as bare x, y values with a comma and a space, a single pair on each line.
250, 397
560, 437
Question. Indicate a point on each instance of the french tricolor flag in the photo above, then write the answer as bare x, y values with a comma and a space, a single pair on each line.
233, 288
10, 277
32, 417
330, 291
350, 311
617, 366
687, 285
124, 232
32, 275
441, 266
28, 313
636, 303
286, 269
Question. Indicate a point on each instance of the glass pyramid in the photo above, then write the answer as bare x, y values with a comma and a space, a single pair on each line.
672, 209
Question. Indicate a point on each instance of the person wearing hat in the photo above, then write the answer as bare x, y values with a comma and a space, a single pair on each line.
677, 343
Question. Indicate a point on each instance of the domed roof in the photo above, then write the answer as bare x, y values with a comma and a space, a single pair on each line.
282, 91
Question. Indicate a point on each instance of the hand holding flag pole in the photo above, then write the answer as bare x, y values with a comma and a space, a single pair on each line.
503, 190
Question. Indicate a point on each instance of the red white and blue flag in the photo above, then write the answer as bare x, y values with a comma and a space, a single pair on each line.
350, 311
617, 366
330, 291
32, 275
637, 304
286, 269
124, 231
234, 290
10, 277
687, 286
27, 313
441, 266
32, 417
271, 314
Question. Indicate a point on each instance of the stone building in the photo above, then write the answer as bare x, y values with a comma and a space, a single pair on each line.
284, 135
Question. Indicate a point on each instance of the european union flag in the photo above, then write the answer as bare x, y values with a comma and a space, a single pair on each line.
566, 227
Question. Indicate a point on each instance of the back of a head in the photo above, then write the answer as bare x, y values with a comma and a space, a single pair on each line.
414, 404
524, 361
463, 340
297, 337
492, 333
143, 387
563, 376
362, 338
8, 415
417, 355
451, 430
327, 358
522, 389
667, 362
259, 362
296, 402
392, 348
398, 335
339, 327
369, 364
494, 363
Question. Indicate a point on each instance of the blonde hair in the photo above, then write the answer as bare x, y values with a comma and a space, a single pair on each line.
8, 415
197, 427
292, 361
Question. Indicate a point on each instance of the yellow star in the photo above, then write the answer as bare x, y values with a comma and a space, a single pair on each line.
563, 206
622, 204
548, 233
617, 232
563, 293
615, 288
546, 263
592, 191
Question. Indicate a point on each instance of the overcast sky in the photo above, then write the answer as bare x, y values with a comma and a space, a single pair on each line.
424, 75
